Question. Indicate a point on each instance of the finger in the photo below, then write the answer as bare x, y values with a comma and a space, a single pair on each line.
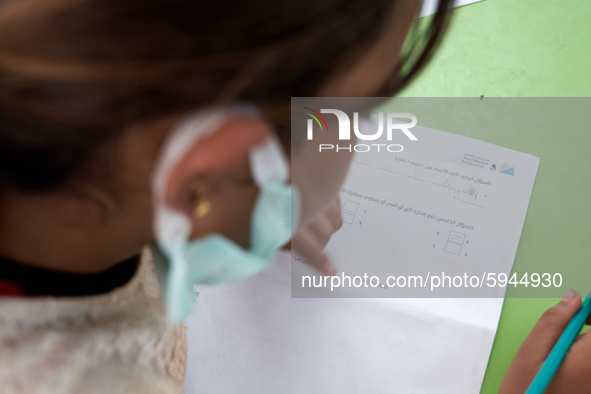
548, 329
583, 343
331, 224
306, 244
334, 215
323, 229
574, 375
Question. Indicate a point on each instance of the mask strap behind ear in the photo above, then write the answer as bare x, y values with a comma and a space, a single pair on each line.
185, 135
268, 163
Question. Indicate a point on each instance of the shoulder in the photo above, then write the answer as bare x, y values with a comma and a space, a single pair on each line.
118, 342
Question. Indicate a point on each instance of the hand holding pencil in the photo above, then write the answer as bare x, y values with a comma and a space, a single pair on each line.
547, 347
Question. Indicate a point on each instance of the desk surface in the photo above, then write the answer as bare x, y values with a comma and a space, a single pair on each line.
526, 48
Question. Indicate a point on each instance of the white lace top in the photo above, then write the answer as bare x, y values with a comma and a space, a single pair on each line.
118, 342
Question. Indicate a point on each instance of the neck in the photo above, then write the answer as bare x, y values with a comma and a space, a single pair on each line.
62, 232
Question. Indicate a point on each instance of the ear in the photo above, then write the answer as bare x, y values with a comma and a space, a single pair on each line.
218, 164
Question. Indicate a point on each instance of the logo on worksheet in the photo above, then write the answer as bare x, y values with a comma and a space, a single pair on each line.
344, 132
504, 169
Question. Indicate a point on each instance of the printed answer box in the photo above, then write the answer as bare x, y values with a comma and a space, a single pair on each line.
347, 217
453, 248
351, 206
456, 237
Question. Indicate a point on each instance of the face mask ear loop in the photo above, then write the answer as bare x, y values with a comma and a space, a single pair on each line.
268, 163
172, 228
176, 286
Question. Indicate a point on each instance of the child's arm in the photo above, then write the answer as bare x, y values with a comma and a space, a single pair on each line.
574, 375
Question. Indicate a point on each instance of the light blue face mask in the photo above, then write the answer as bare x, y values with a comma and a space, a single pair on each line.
215, 259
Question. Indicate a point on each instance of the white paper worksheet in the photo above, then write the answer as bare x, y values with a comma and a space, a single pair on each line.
445, 204
252, 337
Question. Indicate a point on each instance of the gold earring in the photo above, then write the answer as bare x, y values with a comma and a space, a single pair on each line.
201, 204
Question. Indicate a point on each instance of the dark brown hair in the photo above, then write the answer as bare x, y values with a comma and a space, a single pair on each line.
75, 73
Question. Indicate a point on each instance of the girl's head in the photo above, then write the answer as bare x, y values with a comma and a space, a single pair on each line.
89, 89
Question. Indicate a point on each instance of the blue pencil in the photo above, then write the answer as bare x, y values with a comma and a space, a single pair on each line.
552, 363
